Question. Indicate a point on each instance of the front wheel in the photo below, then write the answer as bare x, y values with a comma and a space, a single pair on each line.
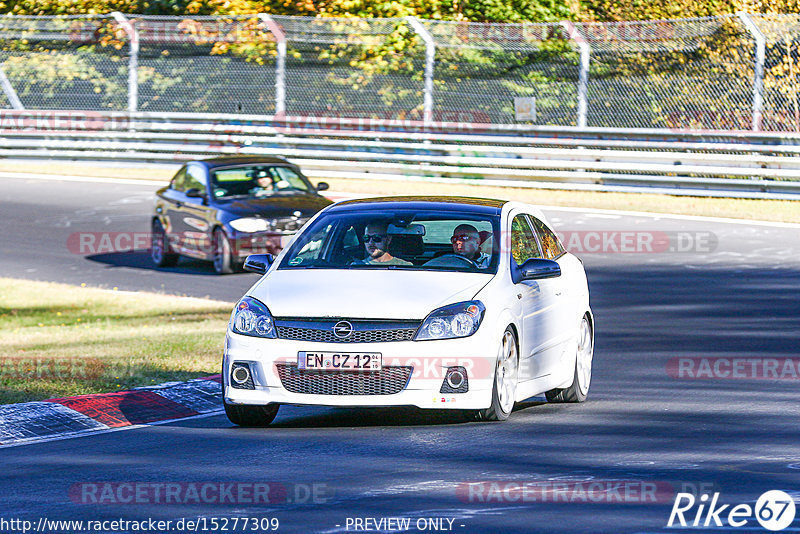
579, 389
248, 415
223, 256
505, 380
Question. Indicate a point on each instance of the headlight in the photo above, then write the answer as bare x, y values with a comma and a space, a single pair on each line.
455, 320
252, 318
250, 225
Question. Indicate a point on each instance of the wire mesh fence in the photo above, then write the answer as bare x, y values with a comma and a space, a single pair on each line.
733, 72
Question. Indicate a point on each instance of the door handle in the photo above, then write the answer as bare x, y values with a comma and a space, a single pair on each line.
179, 204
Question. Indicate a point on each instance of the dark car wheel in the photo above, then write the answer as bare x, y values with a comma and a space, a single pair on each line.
160, 250
223, 257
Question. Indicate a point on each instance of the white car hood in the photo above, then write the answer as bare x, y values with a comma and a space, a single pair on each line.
361, 293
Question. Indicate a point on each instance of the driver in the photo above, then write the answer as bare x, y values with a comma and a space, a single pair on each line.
263, 184
466, 243
377, 241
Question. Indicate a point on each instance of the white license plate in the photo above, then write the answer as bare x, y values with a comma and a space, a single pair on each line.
338, 361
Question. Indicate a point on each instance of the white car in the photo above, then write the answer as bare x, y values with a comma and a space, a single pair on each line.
433, 302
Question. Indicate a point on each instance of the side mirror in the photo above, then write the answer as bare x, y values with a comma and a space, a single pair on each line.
535, 269
195, 193
323, 186
258, 263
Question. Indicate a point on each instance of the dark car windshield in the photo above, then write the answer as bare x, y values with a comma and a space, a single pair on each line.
399, 239
257, 181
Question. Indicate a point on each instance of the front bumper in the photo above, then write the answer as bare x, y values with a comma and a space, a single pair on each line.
429, 360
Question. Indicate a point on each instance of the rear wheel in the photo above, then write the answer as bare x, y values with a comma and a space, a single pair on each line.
505, 380
160, 250
579, 389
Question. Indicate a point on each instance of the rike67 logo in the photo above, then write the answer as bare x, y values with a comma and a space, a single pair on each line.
774, 510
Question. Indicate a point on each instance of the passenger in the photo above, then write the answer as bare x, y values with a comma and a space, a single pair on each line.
466, 242
377, 241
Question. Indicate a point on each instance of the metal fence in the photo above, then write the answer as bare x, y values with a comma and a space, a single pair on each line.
733, 72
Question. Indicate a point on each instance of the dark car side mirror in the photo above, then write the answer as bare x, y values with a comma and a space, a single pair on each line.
195, 193
535, 269
258, 263
323, 186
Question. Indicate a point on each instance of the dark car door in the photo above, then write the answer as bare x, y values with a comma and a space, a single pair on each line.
191, 216
167, 208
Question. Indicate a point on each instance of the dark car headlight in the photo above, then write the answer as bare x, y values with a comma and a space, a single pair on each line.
252, 318
453, 321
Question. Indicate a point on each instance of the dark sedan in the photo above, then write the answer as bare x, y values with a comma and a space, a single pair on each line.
223, 209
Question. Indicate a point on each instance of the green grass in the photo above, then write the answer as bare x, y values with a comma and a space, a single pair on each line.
59, 340
766, 210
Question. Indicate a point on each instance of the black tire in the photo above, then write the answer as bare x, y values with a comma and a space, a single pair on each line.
578, 391
500, 410
222, 250
249, 415
161, 253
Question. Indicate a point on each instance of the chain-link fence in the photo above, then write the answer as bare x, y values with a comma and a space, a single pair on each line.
733, 72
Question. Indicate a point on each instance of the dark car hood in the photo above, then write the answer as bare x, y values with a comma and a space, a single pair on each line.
274, 206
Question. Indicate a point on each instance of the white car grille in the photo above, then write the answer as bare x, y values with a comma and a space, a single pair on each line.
387, 381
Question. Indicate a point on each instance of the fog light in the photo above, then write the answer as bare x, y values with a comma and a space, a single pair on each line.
241, 377
455, 381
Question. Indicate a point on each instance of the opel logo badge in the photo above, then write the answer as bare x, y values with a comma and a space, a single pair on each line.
342, 329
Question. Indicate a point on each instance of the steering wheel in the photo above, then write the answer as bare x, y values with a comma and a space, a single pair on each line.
444, 261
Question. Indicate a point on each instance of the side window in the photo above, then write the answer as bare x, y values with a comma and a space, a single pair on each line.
286, 178
177, 181
351, 238
551, 245
523, 241
312, 247
195, 179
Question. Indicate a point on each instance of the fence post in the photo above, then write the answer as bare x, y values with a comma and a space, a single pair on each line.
583, 76
133, 60
758, 78
280, 62
430, 58
8, 89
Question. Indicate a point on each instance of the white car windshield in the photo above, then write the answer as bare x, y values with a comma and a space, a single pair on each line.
412, 240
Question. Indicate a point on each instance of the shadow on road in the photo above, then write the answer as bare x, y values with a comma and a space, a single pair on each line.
140, 259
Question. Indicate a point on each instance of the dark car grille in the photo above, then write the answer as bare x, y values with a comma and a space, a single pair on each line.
387, 381
363, 331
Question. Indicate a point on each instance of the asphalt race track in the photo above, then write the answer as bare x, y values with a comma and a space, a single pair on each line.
715, 298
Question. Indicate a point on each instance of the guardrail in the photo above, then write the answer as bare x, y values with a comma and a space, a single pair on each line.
714, 163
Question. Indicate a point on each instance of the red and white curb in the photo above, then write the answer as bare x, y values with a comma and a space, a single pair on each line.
74, 416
